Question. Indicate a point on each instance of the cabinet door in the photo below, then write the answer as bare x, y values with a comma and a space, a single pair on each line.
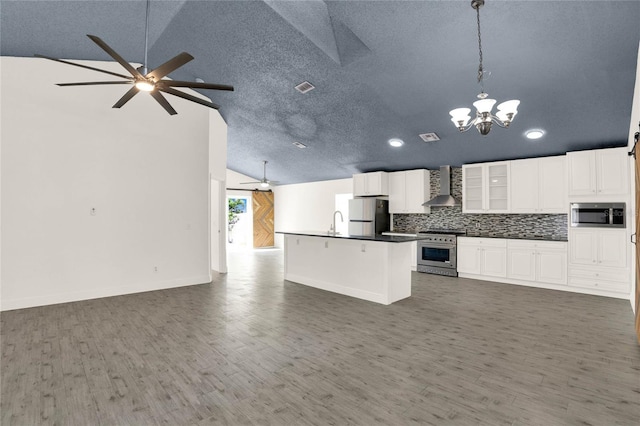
494, 261
521, 264
583, 247
469, 259
360, 185
552, 185
612, 248
377, 183
472, 189
551, 266
397, 194
417, 190
582, 173
497, 187
612, 169
414, 255
524, 186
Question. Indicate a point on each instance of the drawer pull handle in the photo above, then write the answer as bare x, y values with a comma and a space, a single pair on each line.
633, 238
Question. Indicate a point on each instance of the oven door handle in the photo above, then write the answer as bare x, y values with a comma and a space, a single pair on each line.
437, 245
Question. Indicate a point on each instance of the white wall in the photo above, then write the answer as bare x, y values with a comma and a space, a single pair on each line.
218, 175
307, 206
66, 151
633, 128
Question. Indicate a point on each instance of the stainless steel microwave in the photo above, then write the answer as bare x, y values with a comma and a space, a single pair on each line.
598, 215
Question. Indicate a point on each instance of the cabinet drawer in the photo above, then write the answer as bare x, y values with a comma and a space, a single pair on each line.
482, 242
621, 276
620, 287
541, 245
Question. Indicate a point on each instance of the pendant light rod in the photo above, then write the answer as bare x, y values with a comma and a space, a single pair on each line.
476, 4
146, 38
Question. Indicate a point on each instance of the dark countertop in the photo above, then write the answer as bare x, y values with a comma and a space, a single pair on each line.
516, 237
378, 238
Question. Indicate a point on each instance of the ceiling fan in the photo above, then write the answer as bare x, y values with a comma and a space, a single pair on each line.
264, 182
142, 79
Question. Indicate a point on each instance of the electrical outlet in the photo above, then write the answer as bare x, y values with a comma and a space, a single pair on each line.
155, 269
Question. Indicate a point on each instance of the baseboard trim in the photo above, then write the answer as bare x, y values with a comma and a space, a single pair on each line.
337, 288
546, 286
54, 299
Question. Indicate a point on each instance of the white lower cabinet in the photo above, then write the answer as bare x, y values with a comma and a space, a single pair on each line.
482, 256
599, 261
525, 262
537, 261
414, 256
599, 247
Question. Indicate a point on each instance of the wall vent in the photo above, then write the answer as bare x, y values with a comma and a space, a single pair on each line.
299, 145
305, 87
429, 137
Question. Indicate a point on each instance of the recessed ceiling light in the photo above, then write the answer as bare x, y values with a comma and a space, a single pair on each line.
395, 142
534, 133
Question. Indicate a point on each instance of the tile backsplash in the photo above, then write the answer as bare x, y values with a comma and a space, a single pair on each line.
552, 226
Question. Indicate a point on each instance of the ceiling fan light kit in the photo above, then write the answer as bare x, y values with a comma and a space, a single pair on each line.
484, 119
143, 80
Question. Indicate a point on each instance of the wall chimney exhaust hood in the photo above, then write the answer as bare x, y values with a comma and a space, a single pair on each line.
444, 199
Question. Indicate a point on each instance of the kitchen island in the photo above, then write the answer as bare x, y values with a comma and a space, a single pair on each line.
374, 268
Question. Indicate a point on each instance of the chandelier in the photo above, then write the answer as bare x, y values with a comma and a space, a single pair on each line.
484, 118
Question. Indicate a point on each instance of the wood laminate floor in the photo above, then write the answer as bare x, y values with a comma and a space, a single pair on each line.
250, 348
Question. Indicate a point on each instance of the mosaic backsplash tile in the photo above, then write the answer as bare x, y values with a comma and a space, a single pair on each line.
534, 226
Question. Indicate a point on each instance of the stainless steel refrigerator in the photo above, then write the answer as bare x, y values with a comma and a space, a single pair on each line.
368, 216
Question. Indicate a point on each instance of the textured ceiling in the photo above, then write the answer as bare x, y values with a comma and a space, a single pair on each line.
381, 69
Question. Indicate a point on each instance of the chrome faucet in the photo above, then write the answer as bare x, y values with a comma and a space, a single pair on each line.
333, 230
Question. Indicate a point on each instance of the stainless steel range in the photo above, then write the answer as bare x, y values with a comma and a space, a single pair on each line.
437, 252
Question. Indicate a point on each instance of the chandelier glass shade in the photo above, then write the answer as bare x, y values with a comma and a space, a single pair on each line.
484, 118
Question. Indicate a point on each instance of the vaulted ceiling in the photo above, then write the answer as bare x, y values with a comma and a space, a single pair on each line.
381, 69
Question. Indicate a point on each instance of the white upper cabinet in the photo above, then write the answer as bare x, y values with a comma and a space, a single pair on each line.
370, 184
538, 185
408, 190
598, 172
485, 187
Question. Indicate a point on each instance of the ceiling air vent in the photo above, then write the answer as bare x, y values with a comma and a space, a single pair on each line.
305, 87
429, 137
299, 145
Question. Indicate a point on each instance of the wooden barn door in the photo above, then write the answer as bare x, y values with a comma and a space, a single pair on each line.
263, 219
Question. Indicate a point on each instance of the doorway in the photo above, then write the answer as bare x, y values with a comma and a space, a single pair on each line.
217, 225
239, 222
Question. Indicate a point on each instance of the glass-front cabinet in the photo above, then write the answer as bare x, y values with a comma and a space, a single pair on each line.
485, 188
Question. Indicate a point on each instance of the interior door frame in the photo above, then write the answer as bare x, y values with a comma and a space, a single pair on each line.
636, 200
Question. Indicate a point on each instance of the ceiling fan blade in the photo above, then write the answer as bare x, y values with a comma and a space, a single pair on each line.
249, 183
134, 72
194, 85
170, 65
182, 95
123, 100
84, 66
92, 83
163, 101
